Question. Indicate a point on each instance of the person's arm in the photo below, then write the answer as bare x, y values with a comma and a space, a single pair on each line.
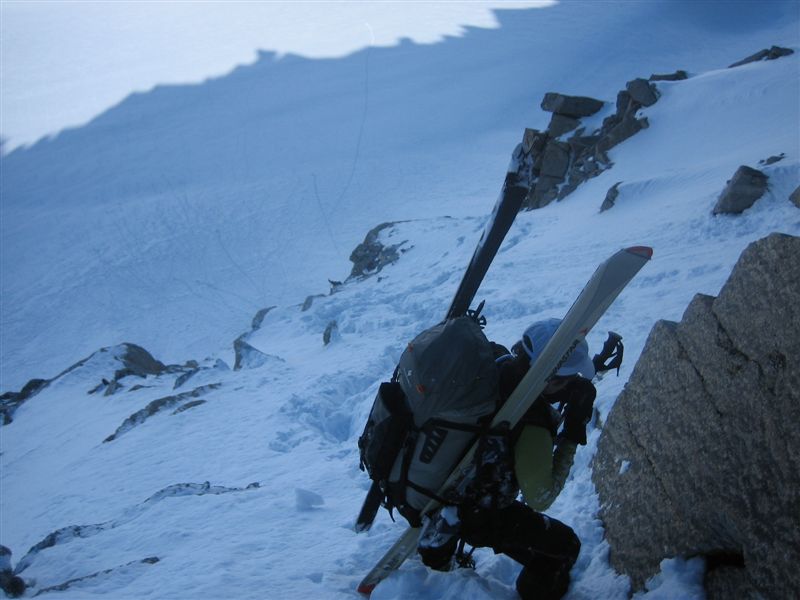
541, 473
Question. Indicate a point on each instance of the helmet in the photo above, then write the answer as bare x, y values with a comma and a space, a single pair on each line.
535, 339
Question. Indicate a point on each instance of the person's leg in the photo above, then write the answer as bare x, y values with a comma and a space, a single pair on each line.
546, 547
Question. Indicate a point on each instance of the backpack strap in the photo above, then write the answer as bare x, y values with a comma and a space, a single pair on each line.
435, 423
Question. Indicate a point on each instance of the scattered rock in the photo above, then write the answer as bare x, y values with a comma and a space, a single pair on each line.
642, 91
11, 401
157, 406
795, 196
570, 106
183, 378
258, 319
772, 159
187, 406
766, 54
708, 425
371, 256
309, 301
331, 333
611, 197
746, 186
676, 76
247, 357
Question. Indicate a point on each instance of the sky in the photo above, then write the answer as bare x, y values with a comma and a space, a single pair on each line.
64, 62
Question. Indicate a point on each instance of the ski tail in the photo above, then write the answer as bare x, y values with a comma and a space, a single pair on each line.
601, 290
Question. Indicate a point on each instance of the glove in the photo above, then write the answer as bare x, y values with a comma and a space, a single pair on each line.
579, 398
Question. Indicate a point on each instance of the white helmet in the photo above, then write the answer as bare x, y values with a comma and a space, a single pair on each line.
535, 339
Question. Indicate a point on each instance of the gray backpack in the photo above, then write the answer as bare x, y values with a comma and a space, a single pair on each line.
442, 396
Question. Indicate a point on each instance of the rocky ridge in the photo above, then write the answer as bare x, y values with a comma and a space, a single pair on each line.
699, 455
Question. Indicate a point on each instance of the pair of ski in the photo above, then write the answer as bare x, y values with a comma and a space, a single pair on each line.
600, 291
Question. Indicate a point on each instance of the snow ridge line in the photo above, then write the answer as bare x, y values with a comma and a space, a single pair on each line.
159, 405
150, 560
69, 533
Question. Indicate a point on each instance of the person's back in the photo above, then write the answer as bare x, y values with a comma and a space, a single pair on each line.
533, 459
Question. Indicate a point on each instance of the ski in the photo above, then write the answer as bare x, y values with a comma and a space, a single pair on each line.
515, 189
369, 508
600, 291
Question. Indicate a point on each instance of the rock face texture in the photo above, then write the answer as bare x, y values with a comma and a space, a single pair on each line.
745, 187
700, 455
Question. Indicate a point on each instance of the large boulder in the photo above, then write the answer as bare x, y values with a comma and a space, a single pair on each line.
745, 187
700, 454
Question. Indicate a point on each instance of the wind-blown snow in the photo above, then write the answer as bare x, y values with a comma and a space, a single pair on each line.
170, 220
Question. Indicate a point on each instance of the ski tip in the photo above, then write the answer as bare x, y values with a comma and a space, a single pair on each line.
643, 251
366, 588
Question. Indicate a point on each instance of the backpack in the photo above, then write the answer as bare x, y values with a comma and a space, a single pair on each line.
442, 396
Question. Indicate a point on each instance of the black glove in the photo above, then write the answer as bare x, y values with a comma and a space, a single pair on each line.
579, 398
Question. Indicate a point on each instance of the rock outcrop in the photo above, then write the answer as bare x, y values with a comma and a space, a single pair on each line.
766, 54
678, 75
795, 196
560, 163
745, 187
700, 455
127, 359
370, 256
11, 401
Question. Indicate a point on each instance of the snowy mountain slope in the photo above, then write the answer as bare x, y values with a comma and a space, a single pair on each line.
291, 425
171, 218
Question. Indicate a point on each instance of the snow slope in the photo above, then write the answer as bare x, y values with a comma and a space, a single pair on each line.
95, 260
174, 216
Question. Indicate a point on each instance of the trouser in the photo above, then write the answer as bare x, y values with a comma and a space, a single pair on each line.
545, 547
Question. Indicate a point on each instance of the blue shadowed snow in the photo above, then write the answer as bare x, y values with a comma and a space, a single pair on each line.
173, 218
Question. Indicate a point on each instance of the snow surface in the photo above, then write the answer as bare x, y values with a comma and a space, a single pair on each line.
172, 219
